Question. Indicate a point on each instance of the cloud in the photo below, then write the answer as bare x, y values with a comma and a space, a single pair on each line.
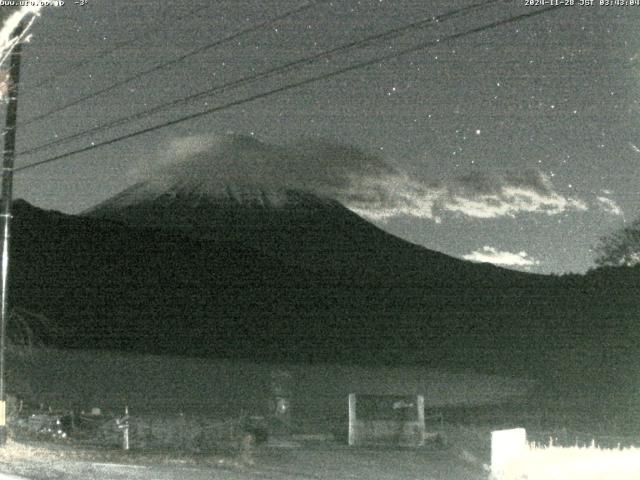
361, 181
498, 257
609, 206
479, 195
506, 194
212, 164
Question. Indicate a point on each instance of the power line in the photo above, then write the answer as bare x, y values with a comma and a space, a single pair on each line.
275, 70
118, 46
301, 83
161, 66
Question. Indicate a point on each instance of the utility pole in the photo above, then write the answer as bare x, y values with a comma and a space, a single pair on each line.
5, 210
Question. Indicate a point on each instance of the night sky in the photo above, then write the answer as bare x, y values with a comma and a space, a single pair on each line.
518, 144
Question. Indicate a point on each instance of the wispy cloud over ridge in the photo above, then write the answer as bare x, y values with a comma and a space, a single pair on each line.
361, 181
609, 206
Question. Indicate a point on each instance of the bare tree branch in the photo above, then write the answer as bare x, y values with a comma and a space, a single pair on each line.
621, 248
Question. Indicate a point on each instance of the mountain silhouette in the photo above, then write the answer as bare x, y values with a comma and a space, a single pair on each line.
270, 272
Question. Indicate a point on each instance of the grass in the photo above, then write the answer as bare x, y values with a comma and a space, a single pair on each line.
170, 399
153, 440
574, 463
189, 411
471, 445
464, 448
25, 449
225, 389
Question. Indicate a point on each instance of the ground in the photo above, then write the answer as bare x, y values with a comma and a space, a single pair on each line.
170, 399
311, 460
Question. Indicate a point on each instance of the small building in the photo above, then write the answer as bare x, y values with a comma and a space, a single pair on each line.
386, 420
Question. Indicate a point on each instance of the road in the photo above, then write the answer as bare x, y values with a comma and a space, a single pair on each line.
307, 462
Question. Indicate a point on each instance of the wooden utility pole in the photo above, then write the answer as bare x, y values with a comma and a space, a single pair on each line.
5, 211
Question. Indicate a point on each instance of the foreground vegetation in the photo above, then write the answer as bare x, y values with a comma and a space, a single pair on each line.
574, 463
201, 405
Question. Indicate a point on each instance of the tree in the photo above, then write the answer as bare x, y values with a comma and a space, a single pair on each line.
621, 248
29, 329
10, 18
6, 12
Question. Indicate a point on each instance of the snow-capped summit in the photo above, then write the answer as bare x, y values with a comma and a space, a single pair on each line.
193, 195
230, 184
231, 171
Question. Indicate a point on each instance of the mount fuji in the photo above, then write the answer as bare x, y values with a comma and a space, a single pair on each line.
298, 224
248, 266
